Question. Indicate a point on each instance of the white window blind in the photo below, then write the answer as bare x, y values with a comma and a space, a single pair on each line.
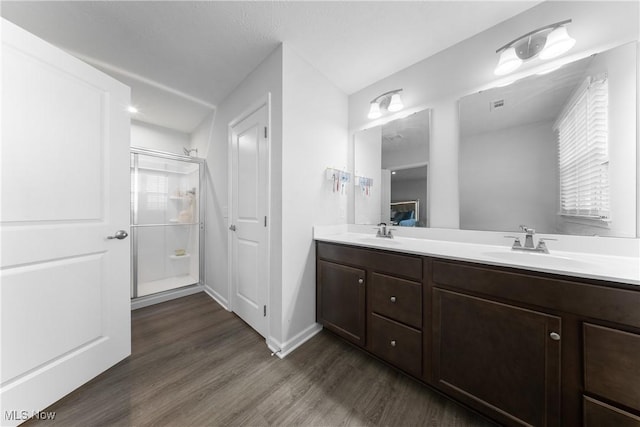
583, 154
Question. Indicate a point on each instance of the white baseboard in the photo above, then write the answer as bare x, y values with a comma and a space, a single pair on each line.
283, 349
165, 296
217, 297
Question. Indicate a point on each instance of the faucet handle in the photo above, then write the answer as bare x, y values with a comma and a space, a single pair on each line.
527, 229
542, 246
542, 240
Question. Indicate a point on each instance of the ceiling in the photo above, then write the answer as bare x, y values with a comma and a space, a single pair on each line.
200, 51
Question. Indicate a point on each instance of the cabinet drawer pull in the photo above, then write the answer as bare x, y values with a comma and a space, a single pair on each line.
393, 343
554, 336
393, 299
361, 281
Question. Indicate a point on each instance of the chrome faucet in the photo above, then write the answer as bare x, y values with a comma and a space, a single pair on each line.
528, 242
383, 231
528, 239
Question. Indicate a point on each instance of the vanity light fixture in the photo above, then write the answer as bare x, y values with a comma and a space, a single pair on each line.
547, 42
390, 101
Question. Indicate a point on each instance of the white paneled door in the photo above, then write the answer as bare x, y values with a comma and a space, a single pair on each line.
64, 290
248, 225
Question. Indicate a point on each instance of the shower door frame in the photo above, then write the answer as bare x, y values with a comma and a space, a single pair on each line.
134, 218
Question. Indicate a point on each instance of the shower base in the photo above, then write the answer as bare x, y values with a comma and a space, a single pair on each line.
150, 288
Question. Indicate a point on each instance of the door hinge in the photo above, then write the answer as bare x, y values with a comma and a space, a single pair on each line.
265, 131
265, 220
264, 310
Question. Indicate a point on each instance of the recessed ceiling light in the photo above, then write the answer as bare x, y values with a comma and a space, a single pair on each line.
393, 172
132, 109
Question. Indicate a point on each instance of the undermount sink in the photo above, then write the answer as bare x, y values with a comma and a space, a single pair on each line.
538, 259
377, 240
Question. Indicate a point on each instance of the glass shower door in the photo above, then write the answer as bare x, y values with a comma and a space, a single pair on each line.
166, 224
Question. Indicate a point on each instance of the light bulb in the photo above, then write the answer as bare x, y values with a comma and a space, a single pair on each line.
374, 111
558, 42
508, 62
132, 109
396, 103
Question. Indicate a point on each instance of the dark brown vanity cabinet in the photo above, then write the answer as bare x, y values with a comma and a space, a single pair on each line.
395, 320
522, 347
497, 357
611, 373
373, 299
341, 300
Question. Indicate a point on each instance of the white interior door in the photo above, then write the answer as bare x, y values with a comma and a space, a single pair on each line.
248, 239
64, 293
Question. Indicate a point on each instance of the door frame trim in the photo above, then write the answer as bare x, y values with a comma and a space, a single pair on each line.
263, 101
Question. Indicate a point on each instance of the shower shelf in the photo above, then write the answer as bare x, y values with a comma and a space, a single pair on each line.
174, 221
180, 256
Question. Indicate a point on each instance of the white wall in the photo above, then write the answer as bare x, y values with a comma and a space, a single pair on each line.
368, 149
308, 134
439, 81
505, 181
265, 79
145, 135
202, 135
314, 137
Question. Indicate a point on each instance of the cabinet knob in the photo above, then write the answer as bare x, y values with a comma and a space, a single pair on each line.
554, 336
393, 343
392, 299
361, 280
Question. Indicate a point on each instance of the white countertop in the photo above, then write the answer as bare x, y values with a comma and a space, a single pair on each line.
622, 269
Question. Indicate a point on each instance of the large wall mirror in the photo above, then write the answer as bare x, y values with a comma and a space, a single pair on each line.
554, 151
391, 168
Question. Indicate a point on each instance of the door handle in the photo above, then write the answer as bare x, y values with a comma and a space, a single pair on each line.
232, 227
120, 234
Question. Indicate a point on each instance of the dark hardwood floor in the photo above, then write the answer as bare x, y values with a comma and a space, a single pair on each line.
193, 364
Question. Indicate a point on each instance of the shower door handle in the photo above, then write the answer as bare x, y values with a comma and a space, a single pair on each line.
120, 234
232, 227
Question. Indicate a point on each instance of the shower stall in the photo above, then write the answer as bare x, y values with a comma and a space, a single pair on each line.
166, 225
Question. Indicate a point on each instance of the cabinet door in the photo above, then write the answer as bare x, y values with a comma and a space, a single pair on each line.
341, 300
501, 359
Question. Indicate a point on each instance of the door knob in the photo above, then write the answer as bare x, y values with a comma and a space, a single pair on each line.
392, 299
120, 234
554, 336
232, 227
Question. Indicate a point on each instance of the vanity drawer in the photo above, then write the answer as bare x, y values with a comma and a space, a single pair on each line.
397, 299
397, 344
612, 364
406, 266
604, 302
599, 414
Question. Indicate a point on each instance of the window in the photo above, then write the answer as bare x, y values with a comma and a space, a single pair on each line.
583, 155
